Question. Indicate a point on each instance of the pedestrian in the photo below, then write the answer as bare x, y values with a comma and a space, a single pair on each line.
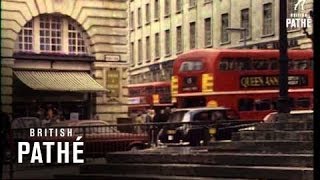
149, 116
139, 121
4, 136
149, 127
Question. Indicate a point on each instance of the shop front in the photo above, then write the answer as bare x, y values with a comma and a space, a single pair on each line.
69, 94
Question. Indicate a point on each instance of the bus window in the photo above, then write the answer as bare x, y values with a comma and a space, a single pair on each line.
191, 66
274, 64
245, 104
292, 64
227, 64
303, 102
291, 102
262, 105
260, 65
302, 64
244, 64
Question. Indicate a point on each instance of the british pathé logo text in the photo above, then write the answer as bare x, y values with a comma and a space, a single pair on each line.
46, 144
297, 19
300, 3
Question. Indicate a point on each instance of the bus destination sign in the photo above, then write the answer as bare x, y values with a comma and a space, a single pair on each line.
271, 81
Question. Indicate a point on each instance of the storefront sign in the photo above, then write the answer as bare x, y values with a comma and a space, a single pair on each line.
271, 81
113, 82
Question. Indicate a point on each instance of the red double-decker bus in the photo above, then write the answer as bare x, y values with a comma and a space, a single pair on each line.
244, 80
155, 95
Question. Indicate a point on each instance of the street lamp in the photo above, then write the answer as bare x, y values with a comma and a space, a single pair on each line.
283, 101
244, 30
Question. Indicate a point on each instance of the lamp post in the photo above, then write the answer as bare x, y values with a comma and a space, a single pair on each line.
244, 30
283, 101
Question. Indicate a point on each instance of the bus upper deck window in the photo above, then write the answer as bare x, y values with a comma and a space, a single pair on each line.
227, 64
244, 64
198, 65
302, 64
260, 64
223, 65
191, 66
274, 64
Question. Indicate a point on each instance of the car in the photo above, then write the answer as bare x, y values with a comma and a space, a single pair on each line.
296, 114
99, 137
25, 122
194, 126
273, 117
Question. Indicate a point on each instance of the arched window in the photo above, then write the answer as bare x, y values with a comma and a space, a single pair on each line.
25, 40
52, 34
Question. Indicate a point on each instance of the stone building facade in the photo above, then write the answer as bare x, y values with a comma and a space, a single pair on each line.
69, 37
162, 29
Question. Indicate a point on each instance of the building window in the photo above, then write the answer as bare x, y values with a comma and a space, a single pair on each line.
26, 37
192, 35
192, 3
139, 51
156, 10
168, 42
179, 39
207, 32
267, 19
290, 11
54, 34
50, 33
148, 49
157, 45
167, 7
245, 23
76, 40
132, 54
178, 6
132, 20
147, 13
224, 26
139, 17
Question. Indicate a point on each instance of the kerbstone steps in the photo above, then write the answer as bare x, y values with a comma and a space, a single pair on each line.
244, 159
263, 146
306, 135
200, 170
137, 177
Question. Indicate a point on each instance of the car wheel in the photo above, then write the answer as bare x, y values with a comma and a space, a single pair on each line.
135, 148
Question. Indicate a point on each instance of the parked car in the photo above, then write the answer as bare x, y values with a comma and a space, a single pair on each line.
296, 114
273, 117
25, 122
195, 126
98, 136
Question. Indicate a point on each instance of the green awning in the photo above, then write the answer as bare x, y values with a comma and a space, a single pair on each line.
59, 81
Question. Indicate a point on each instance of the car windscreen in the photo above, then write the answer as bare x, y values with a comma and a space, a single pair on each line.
209, 115
177, 116
302, 116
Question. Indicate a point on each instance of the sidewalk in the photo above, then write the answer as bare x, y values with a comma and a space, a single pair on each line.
45, 172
